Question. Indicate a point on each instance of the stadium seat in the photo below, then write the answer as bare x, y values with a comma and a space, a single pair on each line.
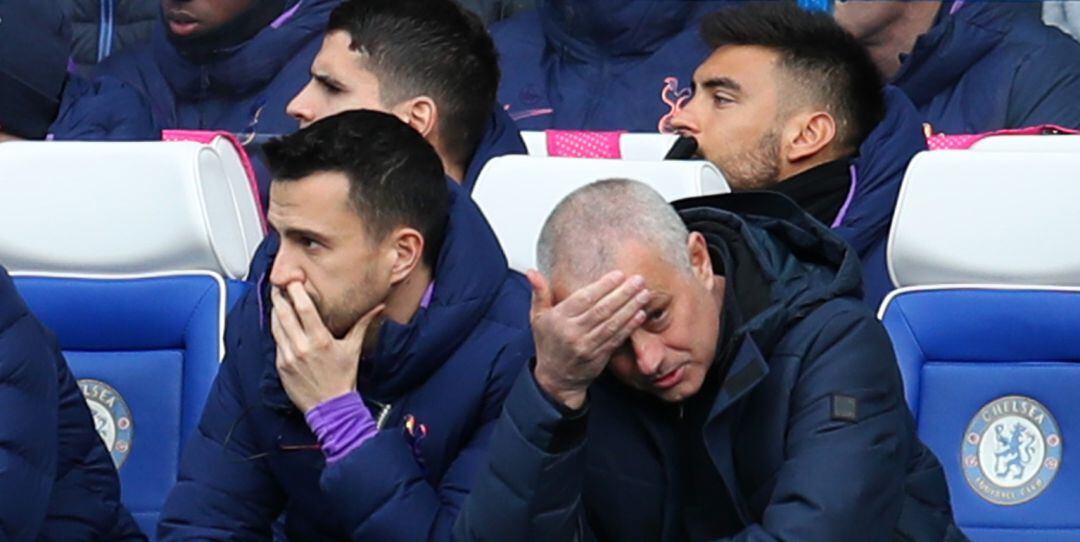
145, 351
1034, 143
517, 193
984, 327
132, 253
627, 146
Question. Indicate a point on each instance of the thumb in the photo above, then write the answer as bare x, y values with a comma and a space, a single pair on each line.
355, 336
541, 298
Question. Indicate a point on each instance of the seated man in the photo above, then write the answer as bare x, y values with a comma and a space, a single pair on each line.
209, 65
34, 48
361, 384
790, 102
704, 377
972, 66
57, 479
428, 62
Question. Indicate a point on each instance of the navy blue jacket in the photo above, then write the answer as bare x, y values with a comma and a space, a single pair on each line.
805, 436
993, 65
141, 91
451, 367
878, 172
57, 480
599, 64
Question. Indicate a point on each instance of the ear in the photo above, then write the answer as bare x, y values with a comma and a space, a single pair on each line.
405, 249
420, 113
809, 135
700, 261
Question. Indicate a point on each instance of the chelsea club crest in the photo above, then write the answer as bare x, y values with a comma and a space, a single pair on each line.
1012, 450
112, 418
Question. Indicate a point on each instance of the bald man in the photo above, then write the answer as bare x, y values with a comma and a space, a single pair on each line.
703, 377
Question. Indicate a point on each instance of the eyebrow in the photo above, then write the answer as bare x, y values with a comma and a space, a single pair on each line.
293, 232
327, 80
726, 83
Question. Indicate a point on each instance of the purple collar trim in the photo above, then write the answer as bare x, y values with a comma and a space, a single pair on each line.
956, 6
840, 216
284, 17
428, 295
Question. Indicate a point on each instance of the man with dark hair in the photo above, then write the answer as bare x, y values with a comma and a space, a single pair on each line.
431, 63
971, 66
361, 383
703, 375
790, 102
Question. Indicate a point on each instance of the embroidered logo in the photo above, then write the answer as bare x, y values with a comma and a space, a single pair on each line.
1012, 450
112, 418
675, 98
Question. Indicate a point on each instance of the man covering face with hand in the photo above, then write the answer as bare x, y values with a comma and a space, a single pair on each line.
708, 375
362, 381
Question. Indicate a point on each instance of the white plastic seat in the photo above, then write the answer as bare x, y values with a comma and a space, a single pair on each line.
517, 193
1028, 143
632, 146
126, 207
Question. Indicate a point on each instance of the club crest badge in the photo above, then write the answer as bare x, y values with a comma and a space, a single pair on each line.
112, 418
1012, 450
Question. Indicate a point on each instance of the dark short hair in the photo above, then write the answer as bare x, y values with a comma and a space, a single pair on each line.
817, 52
395, 177
428, 47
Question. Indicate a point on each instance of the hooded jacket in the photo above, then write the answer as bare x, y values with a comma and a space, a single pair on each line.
877, 173
32, 77
57, 479
253, 456
101, 28
244, 89
986, 66
805, 434
599, 64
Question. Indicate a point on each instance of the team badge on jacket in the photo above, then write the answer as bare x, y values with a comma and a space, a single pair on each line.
112, 418
1012, 450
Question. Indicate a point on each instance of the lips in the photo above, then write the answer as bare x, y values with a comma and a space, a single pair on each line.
670, 379
182, 23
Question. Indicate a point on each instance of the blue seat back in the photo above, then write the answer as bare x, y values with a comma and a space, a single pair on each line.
145, 351
976, 362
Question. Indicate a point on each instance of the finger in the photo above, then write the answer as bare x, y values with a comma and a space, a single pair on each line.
305, 309
541, 296
289, 324
635, 322
581, 300
355, 336
631, 292
281, 341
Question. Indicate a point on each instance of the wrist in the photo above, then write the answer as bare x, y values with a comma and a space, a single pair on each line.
572, 398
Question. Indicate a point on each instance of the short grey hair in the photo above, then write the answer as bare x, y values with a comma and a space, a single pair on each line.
584, 230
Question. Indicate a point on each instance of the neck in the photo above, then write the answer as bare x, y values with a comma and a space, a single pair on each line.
898, 36
402, 304
454, 171
405, 297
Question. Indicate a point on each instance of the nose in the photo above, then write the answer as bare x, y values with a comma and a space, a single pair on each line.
285, 269
648, 352
683, 120
300, 107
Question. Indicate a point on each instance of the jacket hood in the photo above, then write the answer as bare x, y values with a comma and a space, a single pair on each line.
618, 28
246, 67
779, 262
962, 35
501, 137
469, 274
879, 170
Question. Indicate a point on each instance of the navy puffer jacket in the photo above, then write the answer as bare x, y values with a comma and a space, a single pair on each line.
57, 480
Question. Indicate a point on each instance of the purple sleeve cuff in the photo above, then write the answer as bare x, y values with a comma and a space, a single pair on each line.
341, 424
